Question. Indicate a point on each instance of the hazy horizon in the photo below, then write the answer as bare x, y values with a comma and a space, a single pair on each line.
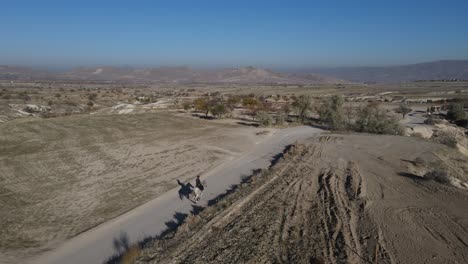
210, 34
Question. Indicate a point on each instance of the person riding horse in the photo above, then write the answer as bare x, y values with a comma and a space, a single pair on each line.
199, 184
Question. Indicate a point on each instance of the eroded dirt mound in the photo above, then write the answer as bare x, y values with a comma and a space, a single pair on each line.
337, 199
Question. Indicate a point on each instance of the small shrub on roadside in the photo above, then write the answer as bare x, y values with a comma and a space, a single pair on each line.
264, 119
420, 162
373, 119
432, 121
446, 138
438, 175
131, 255
187, 106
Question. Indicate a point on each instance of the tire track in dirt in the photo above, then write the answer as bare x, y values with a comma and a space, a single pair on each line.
310, 211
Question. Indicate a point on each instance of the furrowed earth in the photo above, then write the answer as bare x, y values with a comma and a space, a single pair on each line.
334, 199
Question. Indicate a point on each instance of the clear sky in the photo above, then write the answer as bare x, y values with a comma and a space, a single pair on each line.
232, 33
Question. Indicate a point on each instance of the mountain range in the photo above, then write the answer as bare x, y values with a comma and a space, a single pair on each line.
438, 70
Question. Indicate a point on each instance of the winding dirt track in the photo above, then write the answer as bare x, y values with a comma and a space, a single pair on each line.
328, 202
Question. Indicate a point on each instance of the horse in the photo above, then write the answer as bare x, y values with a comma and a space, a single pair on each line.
197, 193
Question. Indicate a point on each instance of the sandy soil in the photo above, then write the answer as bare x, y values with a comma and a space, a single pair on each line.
62, 176
336, 199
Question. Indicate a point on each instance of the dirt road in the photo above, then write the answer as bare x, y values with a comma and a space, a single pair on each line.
62, 176
97, 244
337, 199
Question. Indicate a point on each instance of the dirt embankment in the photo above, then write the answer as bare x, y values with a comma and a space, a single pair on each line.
337, 199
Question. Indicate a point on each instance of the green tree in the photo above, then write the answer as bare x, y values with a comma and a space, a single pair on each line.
403, 109
303, 106
252, 104
218, 109
202, 105
331, 112
373, 119
456, 112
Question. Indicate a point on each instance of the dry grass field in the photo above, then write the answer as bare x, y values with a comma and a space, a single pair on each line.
62, 176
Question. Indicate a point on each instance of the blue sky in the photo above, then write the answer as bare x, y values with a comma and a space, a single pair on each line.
275, 34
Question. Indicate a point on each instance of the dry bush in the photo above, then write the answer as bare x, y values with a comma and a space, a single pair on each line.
418, 135
432, 121
131, 255
420, 162
438, 175
70, 103
445, 137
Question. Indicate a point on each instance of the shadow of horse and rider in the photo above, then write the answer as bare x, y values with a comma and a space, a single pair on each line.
191, 192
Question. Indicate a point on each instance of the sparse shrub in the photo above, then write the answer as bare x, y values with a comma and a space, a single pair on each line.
431, 120
373, 119
70, 103
264, 118
131, 255
331, 112
6, 96
438, 175
420, 162
58, 95
90, 103
280, 118
187, 106
50, 102
445, 137
92, 96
